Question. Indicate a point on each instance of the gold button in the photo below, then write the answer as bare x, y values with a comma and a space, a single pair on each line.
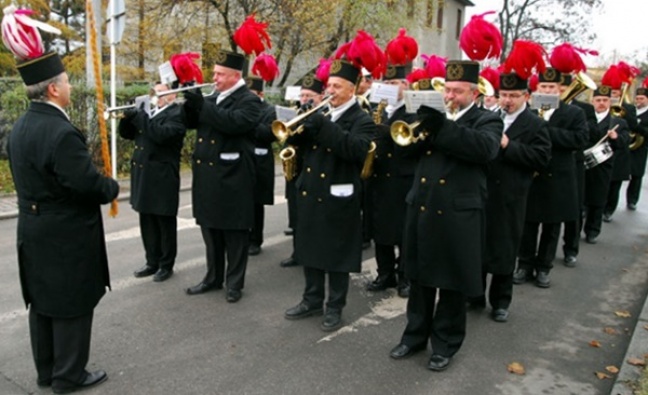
442, 181
422, 208
375, 175
33, 207
140, 132
440, 212
428, 153
423, 180
319, 200
200, 140
549, 175
387, 174
198, 161
328, 150
322, 175
136, 147
141, 166
304, 193
376, 156
314, 146
211, 163
389, 155
213, 141
308, 170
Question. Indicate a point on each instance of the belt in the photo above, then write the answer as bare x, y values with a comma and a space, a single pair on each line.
36, 208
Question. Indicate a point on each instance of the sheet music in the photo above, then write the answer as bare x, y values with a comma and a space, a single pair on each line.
541, 101
146, 99
292, 93
380, 92
285, 113
415, 99
167, 75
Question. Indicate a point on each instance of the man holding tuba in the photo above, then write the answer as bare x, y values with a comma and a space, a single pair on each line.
639, 154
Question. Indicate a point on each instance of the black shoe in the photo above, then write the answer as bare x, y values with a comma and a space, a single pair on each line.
92, 378
44, 383
233, 295
162, 275
477, 303
382, 282
590, 239
403, 351
288, 262
289, 232
403, 287
500, 315
332, 320
144, 271
254, 249
607, 217
201, 288
438, 362
542, 280
632, 206
570, 261
302, 310
522, 275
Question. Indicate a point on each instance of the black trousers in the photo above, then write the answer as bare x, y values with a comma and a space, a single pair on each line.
534, 255
500, 292
234, 244
291, 197
160, 239
571, 237
256, 233
444, 324
367, 211
633, 190
60, 347
314, 293
613, 197
386, 259
593, 220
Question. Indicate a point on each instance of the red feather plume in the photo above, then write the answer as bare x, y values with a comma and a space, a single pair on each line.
533, 82
613, 77
185, 67
645, 83
363, 51
481, 39
417, 75
323, 70
567, 59
435, 65
251, 36
492, 75
525, 58
402, 49
265, 66
627, 72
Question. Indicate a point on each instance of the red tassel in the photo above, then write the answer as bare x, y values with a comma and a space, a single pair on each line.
265, 66
323, 70
525, 58
435, 65
185, 67
402, 49
252, 37
363, 51
417, 75
480, 39
492, 75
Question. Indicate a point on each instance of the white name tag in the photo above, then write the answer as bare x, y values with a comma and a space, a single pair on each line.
342, 190
229, 155
260, 151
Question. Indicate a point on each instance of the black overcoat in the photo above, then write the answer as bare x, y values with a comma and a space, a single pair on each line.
264, 157
554, 193
329, 231
223, 160
622, 165
639, 155
509, 178
61, 247
444, 225
155, 163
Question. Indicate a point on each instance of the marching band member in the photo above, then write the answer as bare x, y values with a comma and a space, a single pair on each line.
155, 179
491, 103
638, 156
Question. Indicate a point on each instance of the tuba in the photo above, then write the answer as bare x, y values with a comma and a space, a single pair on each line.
580, 84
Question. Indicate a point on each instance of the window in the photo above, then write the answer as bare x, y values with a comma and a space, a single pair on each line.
459, 20
440, 18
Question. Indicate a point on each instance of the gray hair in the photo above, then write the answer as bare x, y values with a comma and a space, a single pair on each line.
38, 92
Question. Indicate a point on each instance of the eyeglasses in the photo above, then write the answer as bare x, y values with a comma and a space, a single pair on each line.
307, 95
510, 95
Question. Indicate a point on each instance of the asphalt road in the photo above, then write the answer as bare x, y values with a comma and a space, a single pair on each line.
154, 339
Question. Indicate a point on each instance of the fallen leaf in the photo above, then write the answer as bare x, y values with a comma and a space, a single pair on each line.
612, 369
646, 327
612, 331
595, 343
516, 368
602, 375
623, 313
637, 362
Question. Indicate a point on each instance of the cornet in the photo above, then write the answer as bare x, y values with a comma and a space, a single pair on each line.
283, 130
403, 133
184, 89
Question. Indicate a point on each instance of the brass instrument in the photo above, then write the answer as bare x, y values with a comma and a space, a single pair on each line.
403, 133
485, 87
283, 130
378, 112
367, 166
636, 141
184, 89
617, 110
580, 84
288, 158
437, 83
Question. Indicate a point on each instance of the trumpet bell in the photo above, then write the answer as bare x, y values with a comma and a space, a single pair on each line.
580, 84
403, 133
485, 87
636, 141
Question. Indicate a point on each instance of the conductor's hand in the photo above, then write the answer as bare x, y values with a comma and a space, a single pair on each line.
431, 119
313, 124
194, 99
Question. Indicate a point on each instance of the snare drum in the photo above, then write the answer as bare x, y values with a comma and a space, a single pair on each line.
597, 154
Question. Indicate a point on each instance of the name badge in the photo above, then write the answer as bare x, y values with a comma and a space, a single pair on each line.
229, 155
260, 151
342, 190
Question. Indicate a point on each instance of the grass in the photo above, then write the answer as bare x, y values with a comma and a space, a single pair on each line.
643, 383
6, 181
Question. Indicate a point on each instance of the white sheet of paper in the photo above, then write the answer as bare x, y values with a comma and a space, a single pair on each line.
285, 113
342, 190
146, 99
167, 75
544, 101
415, 99
380, 92
292, 93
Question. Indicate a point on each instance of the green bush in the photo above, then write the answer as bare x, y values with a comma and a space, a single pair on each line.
6, 182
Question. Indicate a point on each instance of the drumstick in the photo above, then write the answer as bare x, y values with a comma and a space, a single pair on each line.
606, 135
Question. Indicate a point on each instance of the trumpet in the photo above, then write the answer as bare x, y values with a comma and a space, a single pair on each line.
283, 130
403, 133
184, 89
617, 110
117, 112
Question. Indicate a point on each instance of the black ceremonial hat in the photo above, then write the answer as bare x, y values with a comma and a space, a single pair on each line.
603, 90
254, 83
550, 75
565, 79
229, 59
512, 82
343, 69
395, 72
462, 70
312, 83
40, 69
641, 92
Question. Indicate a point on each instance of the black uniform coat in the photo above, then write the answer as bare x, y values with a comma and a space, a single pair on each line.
639, 155
61, 247
509, 178
223, 160
621, 169
329, 229
590, 118
264, 157
553, 196
597, 179
392, 179
155, 164
444, 225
